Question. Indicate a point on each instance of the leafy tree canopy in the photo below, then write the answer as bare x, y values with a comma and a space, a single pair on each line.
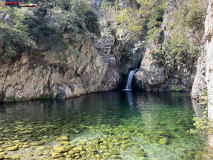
44, 26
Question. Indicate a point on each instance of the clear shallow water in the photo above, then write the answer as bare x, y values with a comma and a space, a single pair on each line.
108, 125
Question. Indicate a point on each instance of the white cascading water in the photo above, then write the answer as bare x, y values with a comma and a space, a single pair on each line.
129, 82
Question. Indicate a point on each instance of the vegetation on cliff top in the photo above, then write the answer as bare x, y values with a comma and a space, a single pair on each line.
44, 27
185, 40
129, 22
185, 29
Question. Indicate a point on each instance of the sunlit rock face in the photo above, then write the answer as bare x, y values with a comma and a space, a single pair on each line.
209, 53
204, 78
45, 74
154, 77
199, 85
113, 44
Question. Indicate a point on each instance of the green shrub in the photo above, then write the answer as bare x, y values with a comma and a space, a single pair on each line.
14, 38
185, 40
45, 35
175, 50
45, 96
91, 21
11, 99
129, 22
44, 27
75, 15
203, 125
108, 29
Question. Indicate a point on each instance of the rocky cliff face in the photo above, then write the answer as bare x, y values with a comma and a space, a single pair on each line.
204, 77
96, 65
154, 77
199, 85
129, 53
203, 81
45, 74
122, 3
209, 57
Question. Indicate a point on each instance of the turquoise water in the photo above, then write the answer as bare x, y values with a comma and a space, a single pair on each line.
107, 125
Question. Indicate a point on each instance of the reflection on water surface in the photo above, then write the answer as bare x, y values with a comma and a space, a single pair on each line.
108, 125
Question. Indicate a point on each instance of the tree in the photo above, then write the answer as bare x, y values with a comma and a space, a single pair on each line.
186, 34
44, 27
130, 21
13, 32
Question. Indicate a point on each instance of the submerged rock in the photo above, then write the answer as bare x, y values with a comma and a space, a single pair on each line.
56, 155
71, 152
143, 154
1, 156
83, 153
25, 146
16, 157
62, 149
198, 155
78, 149
103, 147
106, 154
62, 138
41, 148
163, 141
37, 143
14, 148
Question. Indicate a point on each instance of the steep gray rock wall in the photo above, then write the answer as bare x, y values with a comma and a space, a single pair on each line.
204, 77
44, 74
129, 52
199, 85
95, 66
154, 77
209, 57
122, 3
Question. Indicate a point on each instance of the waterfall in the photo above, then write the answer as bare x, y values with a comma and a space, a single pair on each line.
129, 82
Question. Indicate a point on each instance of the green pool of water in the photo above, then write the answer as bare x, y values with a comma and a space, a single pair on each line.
108, 125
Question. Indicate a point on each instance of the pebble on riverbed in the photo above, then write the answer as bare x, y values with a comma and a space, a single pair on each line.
61, 149
62, 138
94, 142
1, 157
37, 143
14, 148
